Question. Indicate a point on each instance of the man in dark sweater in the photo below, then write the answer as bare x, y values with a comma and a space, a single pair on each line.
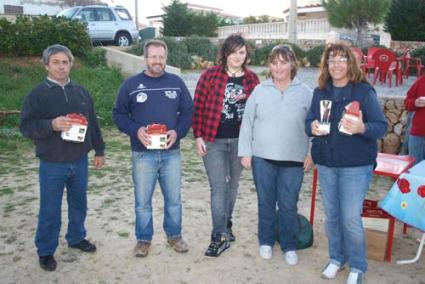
59, 117
155, 97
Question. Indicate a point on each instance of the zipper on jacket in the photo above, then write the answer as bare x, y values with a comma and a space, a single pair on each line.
65, 94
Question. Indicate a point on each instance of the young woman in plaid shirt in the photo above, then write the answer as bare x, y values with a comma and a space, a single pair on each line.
219, 102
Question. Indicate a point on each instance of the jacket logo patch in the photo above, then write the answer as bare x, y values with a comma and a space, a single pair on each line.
171, 94
141, 97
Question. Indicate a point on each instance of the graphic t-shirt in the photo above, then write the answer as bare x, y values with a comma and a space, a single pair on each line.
233, 108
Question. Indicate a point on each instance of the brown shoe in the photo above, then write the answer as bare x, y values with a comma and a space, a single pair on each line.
141, 249
179, 245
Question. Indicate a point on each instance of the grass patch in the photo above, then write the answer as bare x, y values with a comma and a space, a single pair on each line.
6, 191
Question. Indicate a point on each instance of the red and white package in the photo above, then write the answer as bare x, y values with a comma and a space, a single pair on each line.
158, 136
77, 132
352, 112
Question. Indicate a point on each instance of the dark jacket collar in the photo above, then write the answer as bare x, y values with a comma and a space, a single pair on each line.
50, 84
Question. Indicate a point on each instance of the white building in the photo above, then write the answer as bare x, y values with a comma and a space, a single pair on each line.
31, 7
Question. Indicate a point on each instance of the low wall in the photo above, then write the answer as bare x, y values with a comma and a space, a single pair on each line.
130, 64
396, 115
402, 45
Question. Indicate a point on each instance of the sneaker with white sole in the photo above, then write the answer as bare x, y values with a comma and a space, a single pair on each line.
291, 257
266, 252
355, 278
331, 270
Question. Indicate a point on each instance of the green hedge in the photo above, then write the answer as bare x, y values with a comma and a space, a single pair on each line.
260, 55
31, 35
180, 51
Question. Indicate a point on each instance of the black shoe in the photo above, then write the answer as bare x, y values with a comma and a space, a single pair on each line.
84, 246
47, 262
216, 247
232, 237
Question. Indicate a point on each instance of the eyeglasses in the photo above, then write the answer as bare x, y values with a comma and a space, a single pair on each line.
155, 57
340, 61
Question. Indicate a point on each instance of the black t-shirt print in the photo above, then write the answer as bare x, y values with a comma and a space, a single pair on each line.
233, 107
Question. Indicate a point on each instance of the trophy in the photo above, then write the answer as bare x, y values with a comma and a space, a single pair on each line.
78, 130
351, 112
325, 113
158, 136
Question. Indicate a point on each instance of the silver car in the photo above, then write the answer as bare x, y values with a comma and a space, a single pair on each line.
105, 23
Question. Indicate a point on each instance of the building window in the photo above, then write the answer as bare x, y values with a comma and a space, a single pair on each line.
13, 10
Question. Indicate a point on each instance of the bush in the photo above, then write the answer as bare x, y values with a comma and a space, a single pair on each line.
95, 58
201, 46
314, 55
31, 35
136, 49
419, 52
261, 54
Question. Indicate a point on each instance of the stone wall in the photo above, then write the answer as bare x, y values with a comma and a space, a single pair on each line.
396, 115
402, 45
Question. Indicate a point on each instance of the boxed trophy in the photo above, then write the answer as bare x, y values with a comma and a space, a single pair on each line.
325, 113
352, 112
77, 132
158, 136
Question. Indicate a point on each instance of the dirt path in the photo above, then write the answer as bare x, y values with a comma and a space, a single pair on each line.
110, 224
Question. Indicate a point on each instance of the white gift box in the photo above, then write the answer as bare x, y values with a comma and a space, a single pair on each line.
158, 141
77, 132
350, 117
158, 136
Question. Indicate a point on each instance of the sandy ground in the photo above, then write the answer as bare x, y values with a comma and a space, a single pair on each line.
110, 224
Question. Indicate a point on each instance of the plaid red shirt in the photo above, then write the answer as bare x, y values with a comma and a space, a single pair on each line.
209, 96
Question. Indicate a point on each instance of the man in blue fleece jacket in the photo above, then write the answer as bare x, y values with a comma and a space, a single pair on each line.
155, 96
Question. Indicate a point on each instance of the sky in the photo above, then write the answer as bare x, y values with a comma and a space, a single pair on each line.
243, 8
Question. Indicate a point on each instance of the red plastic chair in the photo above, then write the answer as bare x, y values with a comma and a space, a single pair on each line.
411, 62
369, 62
385, 66
361, 58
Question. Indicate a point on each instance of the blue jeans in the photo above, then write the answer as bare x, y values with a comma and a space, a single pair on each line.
281, 186
343, 192
224, 169
54, 177
148, 167
417, 147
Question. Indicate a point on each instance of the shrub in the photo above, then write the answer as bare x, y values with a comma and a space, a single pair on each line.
261, 54
136, 49
31, 35
314, 55
178, 54
95, 58
419, 52
201, 46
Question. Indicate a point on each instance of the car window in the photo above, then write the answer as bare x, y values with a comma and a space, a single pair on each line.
87, 14
123, 14
68, 13
104, 15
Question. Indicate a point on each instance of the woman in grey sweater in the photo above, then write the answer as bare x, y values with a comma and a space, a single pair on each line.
272, 139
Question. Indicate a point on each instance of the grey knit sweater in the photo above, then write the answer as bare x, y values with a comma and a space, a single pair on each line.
273, 122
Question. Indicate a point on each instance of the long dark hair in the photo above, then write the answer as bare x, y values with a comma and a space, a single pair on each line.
230, 45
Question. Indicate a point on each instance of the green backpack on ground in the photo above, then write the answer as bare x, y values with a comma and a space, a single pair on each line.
305, 233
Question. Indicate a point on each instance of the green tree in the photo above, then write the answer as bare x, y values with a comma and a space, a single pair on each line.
204, 24
356, 14
250, 20
177, 20
405, 20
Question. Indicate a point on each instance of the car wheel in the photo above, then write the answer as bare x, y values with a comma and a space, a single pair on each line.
122, 39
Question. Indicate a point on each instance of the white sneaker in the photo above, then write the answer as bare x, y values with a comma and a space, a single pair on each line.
355, 278
291, 257
330, 271
266, 252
